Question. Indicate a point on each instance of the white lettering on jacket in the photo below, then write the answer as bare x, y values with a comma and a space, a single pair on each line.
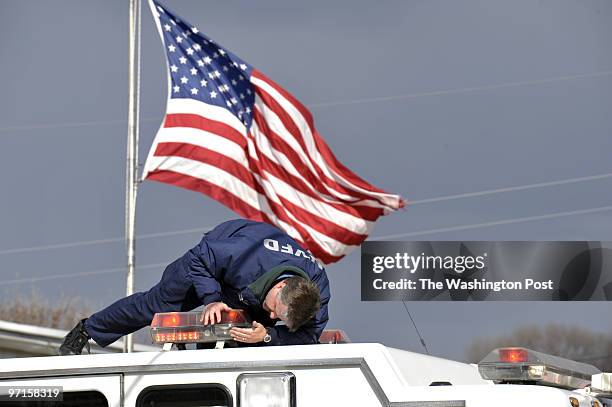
275, 246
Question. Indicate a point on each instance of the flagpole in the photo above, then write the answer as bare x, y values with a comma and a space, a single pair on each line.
131, 184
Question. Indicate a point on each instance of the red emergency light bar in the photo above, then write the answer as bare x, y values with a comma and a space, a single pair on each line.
185, 327
333, 336
521, 365
182, 319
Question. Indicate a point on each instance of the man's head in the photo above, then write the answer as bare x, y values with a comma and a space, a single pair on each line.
294, 301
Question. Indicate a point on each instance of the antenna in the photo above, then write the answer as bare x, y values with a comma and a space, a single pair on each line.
416, 328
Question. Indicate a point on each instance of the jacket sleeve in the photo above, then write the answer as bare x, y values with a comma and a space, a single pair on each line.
310, 332
207, 263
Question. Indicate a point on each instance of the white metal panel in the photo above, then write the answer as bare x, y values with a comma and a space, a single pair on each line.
503, 395
334, 387
421, 370
109, 385
314, 387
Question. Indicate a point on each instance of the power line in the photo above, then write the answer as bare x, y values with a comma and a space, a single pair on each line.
101, 241
337, 103
422, 232
462, 90
416, 202
496, 223
48, 126
511, 189
72, 275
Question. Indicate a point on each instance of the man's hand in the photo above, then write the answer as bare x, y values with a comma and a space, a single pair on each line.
212, 312
249, 335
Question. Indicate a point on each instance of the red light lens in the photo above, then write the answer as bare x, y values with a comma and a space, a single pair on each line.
234, 316
171, 319
333, 336
513, 355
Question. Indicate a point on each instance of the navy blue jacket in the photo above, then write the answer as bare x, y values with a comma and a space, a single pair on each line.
234, 255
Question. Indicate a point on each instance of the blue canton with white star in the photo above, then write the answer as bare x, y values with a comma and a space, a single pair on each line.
202, 70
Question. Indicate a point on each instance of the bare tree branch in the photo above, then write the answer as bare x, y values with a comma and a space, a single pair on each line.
33, 310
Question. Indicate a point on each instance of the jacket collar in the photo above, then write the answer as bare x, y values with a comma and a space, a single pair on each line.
266, 281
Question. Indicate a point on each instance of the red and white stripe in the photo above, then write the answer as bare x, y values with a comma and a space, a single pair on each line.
279, 170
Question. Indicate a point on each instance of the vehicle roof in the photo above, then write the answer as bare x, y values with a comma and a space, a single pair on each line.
391, 367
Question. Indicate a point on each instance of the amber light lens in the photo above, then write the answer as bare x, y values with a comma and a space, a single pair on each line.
513, 355
177, 337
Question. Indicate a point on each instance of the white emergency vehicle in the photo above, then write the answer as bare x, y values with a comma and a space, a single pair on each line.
329, 374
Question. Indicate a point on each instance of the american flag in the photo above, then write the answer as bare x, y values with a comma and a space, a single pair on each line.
238, 137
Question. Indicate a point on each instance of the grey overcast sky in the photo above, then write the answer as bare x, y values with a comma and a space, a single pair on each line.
422, 98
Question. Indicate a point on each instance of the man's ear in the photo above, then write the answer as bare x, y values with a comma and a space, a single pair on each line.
282, 284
